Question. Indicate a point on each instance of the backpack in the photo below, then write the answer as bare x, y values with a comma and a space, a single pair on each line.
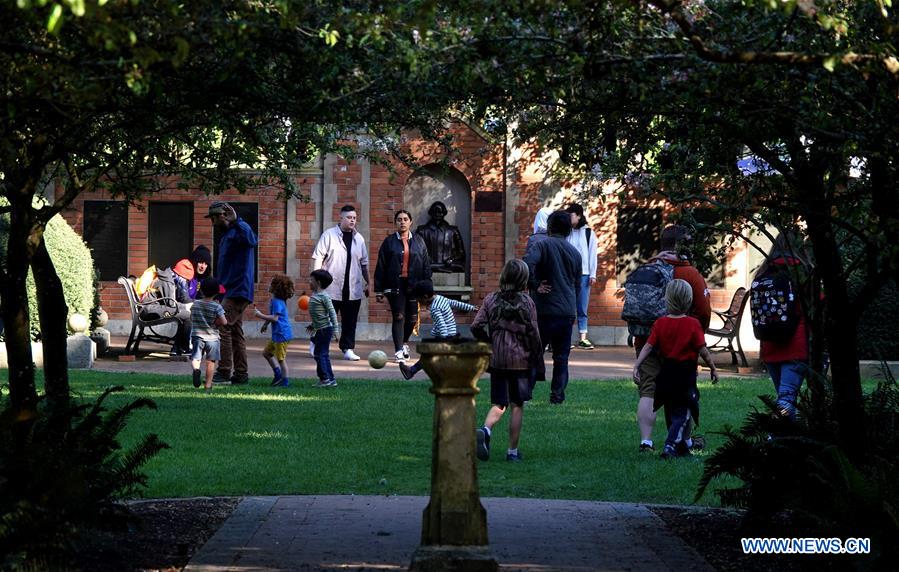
143, 284
773, 306
644, 296
159, 297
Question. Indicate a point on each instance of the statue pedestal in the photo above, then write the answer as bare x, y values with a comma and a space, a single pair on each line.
451, 285
454, 527
447, 279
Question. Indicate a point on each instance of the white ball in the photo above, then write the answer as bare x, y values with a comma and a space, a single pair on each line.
377, 359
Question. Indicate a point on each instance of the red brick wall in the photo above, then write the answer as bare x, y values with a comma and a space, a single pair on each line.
481, 162
272, 235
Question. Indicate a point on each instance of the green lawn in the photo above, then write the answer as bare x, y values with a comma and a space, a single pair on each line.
373, 437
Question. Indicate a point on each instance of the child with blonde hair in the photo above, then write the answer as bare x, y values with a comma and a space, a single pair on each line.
679, 341
508, 320
275, 352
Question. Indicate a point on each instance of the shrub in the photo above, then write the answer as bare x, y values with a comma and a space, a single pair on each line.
62, 471
878, 336
797, 469
74, 265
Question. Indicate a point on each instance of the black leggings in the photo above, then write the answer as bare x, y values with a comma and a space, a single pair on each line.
405, 314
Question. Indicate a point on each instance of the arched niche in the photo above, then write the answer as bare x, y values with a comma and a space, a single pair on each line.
446, 184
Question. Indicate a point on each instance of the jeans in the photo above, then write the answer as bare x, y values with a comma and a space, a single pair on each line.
680, 418
405, 314
349, 314
556, 331
233, 343
583, 299
322, 341
787, 377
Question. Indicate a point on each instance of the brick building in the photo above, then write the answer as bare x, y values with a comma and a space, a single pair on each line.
492, 191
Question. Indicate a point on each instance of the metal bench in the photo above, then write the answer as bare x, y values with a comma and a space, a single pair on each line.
730, 330
142, 329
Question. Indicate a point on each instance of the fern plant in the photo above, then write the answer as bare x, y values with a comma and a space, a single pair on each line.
795, 468
62, 471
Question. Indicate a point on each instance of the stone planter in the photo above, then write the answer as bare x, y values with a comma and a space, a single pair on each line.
101, 337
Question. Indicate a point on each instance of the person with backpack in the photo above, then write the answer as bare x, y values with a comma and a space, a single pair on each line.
644, 302
161, 298
778, 321
508, 321
584, 240
554, 269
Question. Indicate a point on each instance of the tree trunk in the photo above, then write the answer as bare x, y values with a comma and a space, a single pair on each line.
16, 322
840, 329
53, 313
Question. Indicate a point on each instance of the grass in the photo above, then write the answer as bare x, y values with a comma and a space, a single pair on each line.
374, 437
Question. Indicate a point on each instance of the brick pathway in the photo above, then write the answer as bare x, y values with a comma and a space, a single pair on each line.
381, 533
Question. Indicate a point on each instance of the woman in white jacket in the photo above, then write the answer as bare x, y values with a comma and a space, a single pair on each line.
583, 239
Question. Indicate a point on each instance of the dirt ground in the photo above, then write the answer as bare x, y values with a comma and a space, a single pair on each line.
164, 537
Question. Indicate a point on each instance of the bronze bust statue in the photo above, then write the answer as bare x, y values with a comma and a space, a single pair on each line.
444, 241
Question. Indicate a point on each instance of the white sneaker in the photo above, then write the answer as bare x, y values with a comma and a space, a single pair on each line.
350, 355
406, 351
311, 349
400, 356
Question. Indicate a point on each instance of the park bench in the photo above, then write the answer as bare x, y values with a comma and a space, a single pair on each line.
730, 329
143, 329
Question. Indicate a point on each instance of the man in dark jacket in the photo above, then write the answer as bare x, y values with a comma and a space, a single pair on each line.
236, 255
555, 271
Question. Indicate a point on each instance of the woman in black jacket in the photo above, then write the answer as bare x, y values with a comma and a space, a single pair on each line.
402, 261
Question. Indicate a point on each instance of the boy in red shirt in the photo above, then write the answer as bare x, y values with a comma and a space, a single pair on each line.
679, 341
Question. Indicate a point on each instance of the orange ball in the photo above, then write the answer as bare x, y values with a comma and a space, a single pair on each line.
303, 302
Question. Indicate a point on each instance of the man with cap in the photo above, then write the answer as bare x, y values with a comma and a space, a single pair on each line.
234, 265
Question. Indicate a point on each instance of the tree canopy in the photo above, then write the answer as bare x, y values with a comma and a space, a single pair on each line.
773, 113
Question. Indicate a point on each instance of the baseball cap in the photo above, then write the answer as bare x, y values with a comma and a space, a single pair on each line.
216, 208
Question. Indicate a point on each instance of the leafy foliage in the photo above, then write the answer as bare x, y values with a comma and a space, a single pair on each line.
73, 261
799, 467
62, 471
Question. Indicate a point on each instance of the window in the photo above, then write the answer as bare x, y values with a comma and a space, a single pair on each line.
639, 229
105, 230
170, 232
249, 213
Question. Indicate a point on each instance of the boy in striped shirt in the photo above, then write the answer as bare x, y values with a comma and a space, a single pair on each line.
442, 318
324, 326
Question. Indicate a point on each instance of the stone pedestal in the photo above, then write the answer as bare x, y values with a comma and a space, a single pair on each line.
81, 351
454, 527
101, 337
447, 279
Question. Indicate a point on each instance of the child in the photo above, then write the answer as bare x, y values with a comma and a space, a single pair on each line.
517, 360
679, 340
441, 309
206, 315
324, 326
275, 353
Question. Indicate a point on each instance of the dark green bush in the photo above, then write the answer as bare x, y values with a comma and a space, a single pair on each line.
73, 262
61, 472
878, 336
798, 470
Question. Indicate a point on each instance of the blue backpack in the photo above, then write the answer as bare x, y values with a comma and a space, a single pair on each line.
644, 296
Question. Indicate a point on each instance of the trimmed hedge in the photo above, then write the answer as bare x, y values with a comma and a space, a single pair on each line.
74, 265
878, 334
